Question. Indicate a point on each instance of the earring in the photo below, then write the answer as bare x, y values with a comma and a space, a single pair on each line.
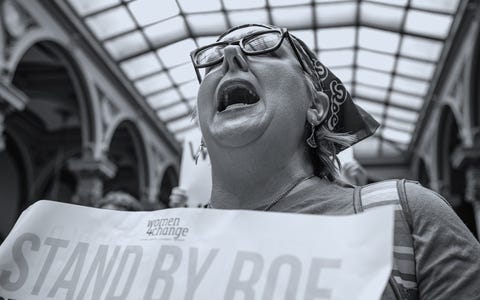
311, 139
200, 151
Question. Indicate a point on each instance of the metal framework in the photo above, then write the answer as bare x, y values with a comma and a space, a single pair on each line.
387, 52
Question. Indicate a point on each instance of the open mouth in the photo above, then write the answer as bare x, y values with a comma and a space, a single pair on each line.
237, 94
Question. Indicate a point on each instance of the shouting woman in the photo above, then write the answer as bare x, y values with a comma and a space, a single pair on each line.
273, 118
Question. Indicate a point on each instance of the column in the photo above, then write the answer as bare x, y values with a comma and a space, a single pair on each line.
11, 99
2, 129
91, 174
472, 193
469, 158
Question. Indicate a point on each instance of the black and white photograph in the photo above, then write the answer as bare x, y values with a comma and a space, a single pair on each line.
239, 149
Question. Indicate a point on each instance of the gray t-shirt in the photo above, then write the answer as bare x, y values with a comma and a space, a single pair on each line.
447, 255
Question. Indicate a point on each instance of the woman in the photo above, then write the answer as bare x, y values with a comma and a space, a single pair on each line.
273, 118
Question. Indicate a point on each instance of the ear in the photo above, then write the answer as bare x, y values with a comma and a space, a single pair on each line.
317, 113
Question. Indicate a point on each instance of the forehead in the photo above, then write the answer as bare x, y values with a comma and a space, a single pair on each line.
241, 32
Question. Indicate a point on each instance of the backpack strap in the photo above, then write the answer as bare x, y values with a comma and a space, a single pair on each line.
392, 192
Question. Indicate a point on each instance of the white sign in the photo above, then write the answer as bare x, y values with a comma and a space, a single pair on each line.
195, 170
64, 251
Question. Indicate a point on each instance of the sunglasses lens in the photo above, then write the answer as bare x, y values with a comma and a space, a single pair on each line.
262, 42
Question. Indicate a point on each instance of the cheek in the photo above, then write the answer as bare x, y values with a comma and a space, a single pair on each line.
286, 86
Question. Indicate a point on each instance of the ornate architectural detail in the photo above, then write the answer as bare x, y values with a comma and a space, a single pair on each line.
10, 99
2, 129
472, 192
90, 174
16, 22
469, 157
108, 110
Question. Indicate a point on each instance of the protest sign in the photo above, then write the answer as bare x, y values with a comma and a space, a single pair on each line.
63, 251
195, 170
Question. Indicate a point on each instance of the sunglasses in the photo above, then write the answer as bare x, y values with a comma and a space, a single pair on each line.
257, 43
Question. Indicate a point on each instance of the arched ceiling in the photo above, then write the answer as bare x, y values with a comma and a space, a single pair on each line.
387, 52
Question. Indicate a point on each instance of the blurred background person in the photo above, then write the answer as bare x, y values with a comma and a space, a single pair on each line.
118, 200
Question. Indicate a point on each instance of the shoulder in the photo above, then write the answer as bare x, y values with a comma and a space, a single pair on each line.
426, 203
446, 252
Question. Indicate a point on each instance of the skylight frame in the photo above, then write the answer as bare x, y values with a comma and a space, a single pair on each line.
393, 74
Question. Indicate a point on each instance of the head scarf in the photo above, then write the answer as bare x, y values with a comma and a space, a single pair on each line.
343, 116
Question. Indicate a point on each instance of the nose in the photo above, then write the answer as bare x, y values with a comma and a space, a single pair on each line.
234, 59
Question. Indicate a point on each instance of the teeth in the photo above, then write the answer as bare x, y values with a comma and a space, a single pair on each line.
237, 94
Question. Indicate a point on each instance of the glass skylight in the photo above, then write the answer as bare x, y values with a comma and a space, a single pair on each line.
110, 23
335, 14
141, 65
371, 92
380, 40
153, 83
383, 15
335, 58
166, 32
244, 4
421, 48
378, 61
126, 45
334, 38
147, 12
248, 16
164, 99
385, 51
207, 24
177, 53
428, 24
174, 111
86, 7
446, 6
283, 17
189, 6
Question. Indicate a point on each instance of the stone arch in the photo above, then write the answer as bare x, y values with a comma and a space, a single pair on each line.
58, 118
451, 177
447, 128
168, 181
76, 72
15, 181
474, 102
125, 147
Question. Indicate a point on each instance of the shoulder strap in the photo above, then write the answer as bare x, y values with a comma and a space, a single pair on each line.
392, 192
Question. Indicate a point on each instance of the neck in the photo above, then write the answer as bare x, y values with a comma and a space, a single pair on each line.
255, 183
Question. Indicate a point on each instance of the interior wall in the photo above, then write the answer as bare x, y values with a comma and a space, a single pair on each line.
9, 192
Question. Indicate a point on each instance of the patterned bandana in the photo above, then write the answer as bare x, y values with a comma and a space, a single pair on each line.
343, 116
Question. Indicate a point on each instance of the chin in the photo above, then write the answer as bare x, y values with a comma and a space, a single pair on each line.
239, 131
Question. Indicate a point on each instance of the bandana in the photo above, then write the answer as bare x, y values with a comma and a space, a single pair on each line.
344, 116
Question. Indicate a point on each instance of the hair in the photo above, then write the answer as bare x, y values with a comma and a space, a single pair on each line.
324, 157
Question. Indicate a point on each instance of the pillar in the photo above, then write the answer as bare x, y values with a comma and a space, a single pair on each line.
472, 193
91, 174
2, 130
469, 157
